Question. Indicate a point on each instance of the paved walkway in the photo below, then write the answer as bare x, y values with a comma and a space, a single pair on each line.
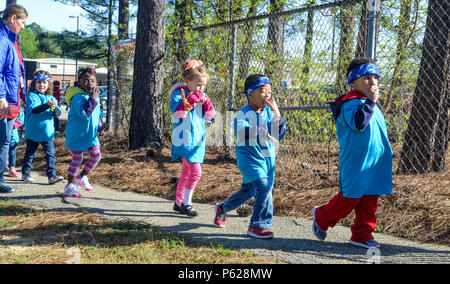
293, 243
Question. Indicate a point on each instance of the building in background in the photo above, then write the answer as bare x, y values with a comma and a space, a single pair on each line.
61, 69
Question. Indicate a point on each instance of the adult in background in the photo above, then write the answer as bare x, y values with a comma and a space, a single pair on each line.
11, 79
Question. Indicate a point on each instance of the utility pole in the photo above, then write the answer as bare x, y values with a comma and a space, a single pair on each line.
373, 6
78, 46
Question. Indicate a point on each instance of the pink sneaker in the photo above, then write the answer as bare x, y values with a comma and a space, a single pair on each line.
83, 182
259, 233
220, 217
13, 172
70, 191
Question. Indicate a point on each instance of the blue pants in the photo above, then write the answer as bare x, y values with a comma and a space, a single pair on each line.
6, 126
12, 154
30, 153
263, 206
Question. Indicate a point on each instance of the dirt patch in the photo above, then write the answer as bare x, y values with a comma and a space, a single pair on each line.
419, 208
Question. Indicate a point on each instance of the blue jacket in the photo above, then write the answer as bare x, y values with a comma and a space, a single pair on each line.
83, 123
39, 126
255, 154
9, 66
189, 133
365, 154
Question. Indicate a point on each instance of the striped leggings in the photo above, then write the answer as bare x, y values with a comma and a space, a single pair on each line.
77, 160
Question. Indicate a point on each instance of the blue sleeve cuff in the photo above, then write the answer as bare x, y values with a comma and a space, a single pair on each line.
364, 114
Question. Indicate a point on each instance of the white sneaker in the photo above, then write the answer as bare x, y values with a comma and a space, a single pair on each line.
71, 191
83, 182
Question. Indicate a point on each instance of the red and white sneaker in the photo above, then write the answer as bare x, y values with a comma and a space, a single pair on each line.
220, 216
83, 182
71, 191
259, 233
13, 172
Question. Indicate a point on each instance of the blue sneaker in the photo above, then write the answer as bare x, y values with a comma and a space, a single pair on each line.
4, 188
367, 244
320, 234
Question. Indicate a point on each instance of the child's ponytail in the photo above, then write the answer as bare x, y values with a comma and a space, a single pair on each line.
193, 67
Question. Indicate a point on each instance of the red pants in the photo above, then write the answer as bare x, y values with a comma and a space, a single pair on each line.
340, 207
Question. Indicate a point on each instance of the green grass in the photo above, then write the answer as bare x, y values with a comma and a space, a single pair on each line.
34, 235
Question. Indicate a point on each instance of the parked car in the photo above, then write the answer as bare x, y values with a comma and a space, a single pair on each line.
103, 95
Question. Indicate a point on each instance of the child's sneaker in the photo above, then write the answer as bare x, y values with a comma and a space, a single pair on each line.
55, 179
319, 233
13, 172
70, 191
83, 182
188, 210
27, 178
259, 233
367, 244
176, 207
220, 216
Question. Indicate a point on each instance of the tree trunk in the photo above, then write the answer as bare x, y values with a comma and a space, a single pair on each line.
246, 52
361, 40
308, 47
426, 139
347, 19
120, 112
183, 13
308, 39
275, 41
394, 99
147, 100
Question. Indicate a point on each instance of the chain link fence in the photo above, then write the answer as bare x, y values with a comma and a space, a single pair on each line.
305, 52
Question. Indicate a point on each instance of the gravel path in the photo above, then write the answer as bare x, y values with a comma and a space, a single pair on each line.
293, 243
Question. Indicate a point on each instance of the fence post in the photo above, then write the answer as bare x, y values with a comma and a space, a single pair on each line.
233, 68
372, 7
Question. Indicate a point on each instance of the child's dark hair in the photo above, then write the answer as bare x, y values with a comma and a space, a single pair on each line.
359, 61
87, 70
33, 82
250, 79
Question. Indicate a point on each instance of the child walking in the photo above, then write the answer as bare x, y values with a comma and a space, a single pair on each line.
365, 157
259, 127
83, 124
41, 107
15, 139
190, 107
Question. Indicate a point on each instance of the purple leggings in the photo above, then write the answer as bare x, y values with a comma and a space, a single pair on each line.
190, 175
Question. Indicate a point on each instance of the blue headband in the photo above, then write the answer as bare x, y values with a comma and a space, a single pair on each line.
258, 83
362, 70
42, 77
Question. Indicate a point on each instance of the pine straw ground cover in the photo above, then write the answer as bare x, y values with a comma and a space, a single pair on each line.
34, 235
419, 208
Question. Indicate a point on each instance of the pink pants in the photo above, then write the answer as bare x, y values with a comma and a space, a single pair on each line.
190, 175
77, 160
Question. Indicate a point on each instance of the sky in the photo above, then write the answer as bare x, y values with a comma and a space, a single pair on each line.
52, 16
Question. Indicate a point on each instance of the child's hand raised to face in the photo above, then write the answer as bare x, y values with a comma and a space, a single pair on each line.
94, 92
273, 106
